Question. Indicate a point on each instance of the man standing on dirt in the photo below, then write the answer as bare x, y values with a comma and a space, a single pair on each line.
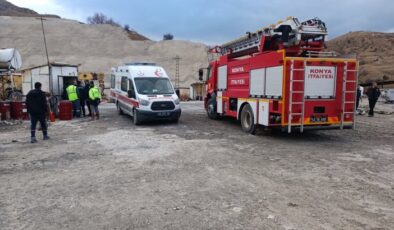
82, 97
72, 94
86, 95
37, 108
358, 96
373, 94
94, 100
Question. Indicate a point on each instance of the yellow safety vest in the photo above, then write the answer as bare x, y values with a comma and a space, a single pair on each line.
94, 93
72, 93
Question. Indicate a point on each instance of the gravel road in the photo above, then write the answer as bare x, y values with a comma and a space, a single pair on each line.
197, 174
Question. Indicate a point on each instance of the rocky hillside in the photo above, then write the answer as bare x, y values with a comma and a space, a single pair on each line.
9, 9
133, 35
97, 47
374, 50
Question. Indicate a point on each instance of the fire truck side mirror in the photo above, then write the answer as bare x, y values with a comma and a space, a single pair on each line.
201, 74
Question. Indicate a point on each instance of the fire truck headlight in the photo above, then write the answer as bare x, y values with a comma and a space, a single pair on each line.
176, 101
143, 102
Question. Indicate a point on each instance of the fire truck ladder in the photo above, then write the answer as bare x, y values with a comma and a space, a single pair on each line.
347, 92
291, 93
246, 44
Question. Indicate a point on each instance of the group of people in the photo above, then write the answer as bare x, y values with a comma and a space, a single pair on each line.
373, 94
80, 96
37, 105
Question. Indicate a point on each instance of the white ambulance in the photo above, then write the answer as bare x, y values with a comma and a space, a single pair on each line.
144, 91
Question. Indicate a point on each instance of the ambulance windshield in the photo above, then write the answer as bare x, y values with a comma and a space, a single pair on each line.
150, 85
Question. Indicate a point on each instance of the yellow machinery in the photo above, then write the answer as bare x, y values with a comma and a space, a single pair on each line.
90, 76
6, 84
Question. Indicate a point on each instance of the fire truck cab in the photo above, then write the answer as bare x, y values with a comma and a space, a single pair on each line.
144, 91
280, 78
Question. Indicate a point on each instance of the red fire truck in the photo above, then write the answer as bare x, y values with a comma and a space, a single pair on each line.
281, 77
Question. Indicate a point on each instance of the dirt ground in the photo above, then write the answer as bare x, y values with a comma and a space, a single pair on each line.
197, 174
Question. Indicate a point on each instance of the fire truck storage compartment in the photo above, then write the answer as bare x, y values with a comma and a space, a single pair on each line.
264, 112
266, 82
273, 82
222, 78
320, 81
257, 82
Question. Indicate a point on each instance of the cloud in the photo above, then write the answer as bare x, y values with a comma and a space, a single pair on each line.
215, 22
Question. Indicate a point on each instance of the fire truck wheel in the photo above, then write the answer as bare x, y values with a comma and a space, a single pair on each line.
136, 120
120, 111
247, 120
211, 109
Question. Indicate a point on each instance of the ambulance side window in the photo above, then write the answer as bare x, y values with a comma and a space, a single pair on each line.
124, 84
112, 81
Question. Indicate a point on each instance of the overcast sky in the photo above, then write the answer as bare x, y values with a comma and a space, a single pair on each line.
217, 21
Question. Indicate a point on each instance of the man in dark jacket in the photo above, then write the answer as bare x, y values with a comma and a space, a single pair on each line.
373, 94
37, 107
82, 97
358, 96
86, 95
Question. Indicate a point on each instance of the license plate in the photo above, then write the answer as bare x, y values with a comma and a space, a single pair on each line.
163, 114
318, 118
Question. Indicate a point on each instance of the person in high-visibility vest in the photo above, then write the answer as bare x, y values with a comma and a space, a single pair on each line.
94, 99
72, 94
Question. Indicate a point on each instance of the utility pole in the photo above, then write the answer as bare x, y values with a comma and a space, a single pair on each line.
46, 52
52, 100
45, 40
177, 59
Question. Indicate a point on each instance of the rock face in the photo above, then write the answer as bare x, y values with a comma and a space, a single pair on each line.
97, 48
374, 50
9, 9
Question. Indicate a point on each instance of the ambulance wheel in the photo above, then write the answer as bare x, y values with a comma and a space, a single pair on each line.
136, 120
120, 111
212, 109
247, 120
